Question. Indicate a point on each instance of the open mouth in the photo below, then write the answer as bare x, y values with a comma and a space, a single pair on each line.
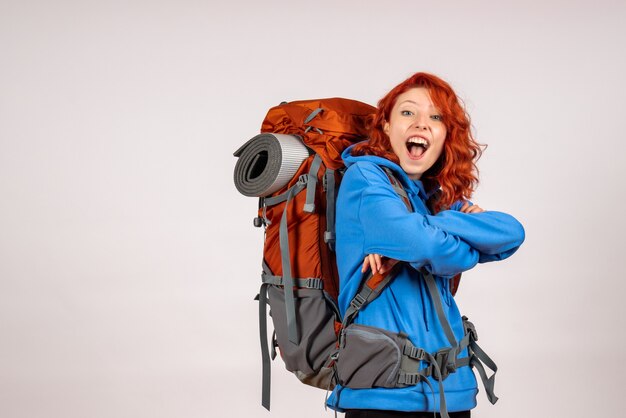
417, 146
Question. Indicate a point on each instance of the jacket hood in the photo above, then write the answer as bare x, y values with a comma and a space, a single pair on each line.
415, 186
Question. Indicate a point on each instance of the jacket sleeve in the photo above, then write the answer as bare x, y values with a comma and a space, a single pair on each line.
496, 235
392, 231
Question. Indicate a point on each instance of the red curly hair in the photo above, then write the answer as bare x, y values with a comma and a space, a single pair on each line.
455, 171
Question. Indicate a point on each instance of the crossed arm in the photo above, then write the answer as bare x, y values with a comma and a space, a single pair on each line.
445, 244
382, 264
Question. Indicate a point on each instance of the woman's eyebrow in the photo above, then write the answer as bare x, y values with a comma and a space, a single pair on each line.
415, 103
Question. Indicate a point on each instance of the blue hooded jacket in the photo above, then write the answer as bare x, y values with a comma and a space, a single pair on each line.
372, 219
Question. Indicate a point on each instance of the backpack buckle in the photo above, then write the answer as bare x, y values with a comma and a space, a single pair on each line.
314, 283
470, 329
414, 352
446, 364
303, 179
357, 302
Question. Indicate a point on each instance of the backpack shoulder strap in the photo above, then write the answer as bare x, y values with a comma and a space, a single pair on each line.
398, 188
369, 290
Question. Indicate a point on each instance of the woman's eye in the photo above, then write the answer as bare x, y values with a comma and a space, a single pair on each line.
406, 113
437, 117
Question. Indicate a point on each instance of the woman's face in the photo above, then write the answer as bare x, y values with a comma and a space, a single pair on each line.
416, 131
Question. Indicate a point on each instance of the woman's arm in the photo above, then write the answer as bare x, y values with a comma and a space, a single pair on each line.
391, 231
496, 235
382, 265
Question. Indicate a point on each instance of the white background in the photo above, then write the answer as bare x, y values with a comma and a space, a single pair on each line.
128, 260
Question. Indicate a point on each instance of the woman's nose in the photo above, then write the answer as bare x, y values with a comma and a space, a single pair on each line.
420, 124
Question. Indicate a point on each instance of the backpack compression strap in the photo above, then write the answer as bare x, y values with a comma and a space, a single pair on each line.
330, 188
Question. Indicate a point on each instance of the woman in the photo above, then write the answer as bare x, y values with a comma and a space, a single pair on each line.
421, 137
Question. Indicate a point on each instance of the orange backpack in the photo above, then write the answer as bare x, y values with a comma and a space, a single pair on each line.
300, 280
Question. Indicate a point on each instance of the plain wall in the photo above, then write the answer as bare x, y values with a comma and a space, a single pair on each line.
128, 260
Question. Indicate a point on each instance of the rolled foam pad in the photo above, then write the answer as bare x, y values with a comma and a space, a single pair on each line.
267, 162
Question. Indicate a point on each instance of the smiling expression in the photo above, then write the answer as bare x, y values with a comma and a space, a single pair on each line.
416, 131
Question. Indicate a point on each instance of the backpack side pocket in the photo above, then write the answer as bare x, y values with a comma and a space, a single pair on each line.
315, 318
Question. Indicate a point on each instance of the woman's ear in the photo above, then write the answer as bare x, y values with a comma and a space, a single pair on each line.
386, 128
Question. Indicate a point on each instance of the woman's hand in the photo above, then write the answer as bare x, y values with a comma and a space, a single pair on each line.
377, 263
467, 208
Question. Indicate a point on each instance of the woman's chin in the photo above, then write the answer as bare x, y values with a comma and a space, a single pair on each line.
413, 173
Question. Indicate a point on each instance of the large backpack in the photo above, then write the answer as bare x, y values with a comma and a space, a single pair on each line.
300, 280
294, 166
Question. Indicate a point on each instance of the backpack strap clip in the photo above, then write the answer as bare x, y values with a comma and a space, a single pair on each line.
408, 379
261, 221
445, 358
314, 283
303, 179
470, 329
413, 352
357, 301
